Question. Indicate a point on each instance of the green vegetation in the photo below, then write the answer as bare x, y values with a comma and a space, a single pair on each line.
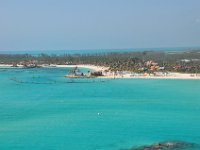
148, 61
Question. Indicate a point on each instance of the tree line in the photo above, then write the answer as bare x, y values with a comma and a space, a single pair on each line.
188, 61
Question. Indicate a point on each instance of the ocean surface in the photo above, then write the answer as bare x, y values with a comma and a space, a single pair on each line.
99, 51
42, 110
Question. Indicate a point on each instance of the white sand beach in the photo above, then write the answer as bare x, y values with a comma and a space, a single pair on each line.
125, 74
5, 66
92, 67
170, 75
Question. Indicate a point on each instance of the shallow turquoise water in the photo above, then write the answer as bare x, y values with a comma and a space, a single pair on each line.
42, 110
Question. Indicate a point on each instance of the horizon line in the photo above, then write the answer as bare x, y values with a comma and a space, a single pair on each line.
90, 49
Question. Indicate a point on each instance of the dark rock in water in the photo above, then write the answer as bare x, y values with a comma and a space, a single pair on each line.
171, 145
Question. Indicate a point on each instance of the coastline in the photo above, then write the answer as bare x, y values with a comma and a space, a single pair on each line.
92, 67
171, 76
125, 75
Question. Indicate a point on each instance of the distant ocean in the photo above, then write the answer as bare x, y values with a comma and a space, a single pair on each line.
42, 110
98, 51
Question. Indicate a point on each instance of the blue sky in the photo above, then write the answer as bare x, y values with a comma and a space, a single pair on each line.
98, 24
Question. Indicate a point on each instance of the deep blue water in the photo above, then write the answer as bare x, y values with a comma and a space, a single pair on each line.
42, 110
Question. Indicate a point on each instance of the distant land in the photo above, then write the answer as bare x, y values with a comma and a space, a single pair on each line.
137, 61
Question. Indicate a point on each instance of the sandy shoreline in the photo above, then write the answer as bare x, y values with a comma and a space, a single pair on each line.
92, 67
126, 75
170, 76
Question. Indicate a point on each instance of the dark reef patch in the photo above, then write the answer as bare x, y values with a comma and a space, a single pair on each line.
170, 145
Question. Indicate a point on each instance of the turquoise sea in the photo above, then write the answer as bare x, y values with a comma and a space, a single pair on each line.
42, 110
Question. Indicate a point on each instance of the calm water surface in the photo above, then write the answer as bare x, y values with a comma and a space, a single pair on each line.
99, 51
42, 110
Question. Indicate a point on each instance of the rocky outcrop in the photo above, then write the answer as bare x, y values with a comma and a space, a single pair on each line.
171, 145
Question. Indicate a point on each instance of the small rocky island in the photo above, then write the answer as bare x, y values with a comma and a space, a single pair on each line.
76, 73
171, 145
